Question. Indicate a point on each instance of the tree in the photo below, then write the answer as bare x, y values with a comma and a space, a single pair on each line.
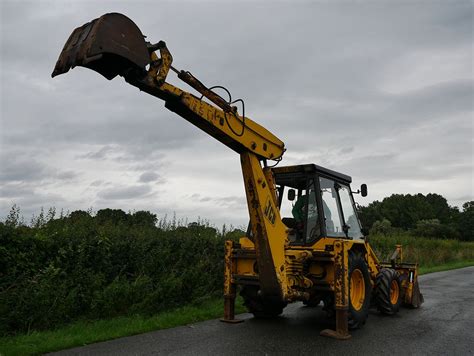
14, 217
368, 215
144, 218
466, 221
434, 229
113, 216
405, 210
381, 227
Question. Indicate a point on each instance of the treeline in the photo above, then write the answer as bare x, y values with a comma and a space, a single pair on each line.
421, 215
112, 263
81, 265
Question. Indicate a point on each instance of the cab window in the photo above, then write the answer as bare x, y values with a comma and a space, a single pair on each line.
350, 217
332, 215
312, 229
301, 213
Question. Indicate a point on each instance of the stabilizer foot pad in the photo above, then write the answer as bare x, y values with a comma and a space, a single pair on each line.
231, 321
334, 334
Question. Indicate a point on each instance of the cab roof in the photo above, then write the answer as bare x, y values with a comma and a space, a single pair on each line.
312, 168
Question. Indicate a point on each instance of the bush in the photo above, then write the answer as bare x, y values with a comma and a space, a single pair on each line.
114, 263
426, 252
383, 227
434, 229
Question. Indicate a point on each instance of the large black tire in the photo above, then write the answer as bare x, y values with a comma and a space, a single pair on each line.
259, 307
358, 313
388, 291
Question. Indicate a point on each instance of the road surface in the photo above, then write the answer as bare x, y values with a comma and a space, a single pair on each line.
444, 325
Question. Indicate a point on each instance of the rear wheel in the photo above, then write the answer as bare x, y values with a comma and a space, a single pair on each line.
258, 306
388, 291
359, 291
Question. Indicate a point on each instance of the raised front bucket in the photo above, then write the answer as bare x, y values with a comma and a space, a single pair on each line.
110, 45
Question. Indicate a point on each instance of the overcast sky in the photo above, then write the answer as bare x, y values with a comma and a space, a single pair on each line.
381, 91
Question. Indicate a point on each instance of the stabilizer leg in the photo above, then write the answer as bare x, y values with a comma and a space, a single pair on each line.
342, 328
229, 287
229, 311
341, 293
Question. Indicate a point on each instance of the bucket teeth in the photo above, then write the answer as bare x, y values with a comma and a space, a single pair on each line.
110, 45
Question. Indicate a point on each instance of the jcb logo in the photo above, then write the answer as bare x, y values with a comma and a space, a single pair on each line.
269, 211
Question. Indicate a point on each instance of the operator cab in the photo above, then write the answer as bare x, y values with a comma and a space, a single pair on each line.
317, 202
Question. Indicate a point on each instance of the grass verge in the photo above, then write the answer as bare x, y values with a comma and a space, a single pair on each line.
87, 332
445, 267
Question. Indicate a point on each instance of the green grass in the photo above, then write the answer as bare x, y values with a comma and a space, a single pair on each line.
86, 332
432, 256
428, 253
445, 267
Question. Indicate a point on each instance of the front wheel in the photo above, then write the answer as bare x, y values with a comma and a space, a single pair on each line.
359, 290
388, 291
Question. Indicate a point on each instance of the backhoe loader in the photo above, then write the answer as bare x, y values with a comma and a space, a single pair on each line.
304, 241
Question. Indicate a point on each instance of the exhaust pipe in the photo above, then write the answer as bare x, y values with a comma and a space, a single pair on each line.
110, 45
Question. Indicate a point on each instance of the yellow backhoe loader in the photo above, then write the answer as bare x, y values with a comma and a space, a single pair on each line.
304, 241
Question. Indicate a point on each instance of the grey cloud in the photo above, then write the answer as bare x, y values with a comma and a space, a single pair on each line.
125, 193
435, 101
462, 199
99, 154
132, 158
226, 202
321, 93
21, 169
387, 167
346, 150
148, 177
19, 166
231, 201
32, 201
67, 175
13, 190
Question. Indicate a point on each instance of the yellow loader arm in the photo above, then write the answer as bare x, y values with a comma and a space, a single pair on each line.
113, 45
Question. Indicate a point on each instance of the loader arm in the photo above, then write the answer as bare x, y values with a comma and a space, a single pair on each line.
113, 45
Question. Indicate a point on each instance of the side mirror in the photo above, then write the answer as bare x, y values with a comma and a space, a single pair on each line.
363, 190
291, 195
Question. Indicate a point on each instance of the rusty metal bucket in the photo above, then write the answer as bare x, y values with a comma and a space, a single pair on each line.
110, 45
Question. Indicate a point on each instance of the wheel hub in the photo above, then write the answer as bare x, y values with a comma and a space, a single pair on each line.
357, 289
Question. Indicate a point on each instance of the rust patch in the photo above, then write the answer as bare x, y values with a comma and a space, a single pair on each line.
110, 45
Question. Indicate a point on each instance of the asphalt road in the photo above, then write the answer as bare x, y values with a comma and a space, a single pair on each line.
444, 325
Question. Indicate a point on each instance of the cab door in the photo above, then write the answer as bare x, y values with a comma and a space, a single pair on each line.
340, 218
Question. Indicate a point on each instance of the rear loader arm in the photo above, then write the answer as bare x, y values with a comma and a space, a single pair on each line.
252, 141
90, 46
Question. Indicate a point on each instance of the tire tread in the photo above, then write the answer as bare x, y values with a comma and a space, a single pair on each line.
383, 283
